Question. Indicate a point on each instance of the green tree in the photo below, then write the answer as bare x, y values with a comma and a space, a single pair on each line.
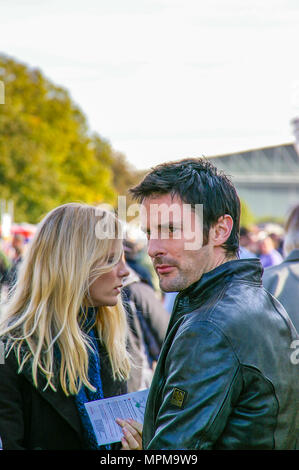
47, 155
125, 176
247, 218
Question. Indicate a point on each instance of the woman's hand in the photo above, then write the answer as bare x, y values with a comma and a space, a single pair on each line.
132, 430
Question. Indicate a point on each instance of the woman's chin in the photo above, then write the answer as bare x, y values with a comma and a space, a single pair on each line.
109, 302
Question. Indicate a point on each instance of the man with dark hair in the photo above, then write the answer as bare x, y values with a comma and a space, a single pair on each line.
225, 378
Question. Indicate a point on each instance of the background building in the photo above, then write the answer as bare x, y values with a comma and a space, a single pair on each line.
267, 179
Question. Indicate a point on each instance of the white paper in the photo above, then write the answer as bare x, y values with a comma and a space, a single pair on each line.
103, 413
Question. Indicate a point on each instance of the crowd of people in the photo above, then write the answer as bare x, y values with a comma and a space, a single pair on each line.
83, 320
11, 255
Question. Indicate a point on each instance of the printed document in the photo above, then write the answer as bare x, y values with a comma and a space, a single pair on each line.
103, 413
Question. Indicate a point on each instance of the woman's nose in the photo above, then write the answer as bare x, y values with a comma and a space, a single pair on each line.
123, 270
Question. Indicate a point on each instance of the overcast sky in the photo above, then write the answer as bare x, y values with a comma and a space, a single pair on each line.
167, 79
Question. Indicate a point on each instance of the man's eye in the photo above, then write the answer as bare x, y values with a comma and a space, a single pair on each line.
174, 229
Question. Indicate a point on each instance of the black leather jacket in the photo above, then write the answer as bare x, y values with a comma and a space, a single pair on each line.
225, 378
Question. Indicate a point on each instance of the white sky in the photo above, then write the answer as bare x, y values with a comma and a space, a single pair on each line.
167, 79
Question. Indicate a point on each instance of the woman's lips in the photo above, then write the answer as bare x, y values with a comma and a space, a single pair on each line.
164, 269
118, 289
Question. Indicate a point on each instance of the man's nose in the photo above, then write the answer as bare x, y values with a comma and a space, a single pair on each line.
155, 248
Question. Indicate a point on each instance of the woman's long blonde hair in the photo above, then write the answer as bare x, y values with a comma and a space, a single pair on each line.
72, 246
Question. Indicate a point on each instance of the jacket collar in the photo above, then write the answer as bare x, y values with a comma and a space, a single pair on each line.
247, 270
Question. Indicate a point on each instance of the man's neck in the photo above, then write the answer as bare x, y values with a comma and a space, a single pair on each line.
221, 257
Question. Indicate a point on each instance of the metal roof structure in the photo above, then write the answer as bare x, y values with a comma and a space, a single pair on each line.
267, 179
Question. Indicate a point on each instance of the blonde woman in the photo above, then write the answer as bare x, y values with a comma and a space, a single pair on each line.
64, 330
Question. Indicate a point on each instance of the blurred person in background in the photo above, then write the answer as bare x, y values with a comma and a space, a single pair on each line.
65, 332
148, 321
277, 242
135, 254
282, 280
246, 243
18, 245
267, 252
5, 265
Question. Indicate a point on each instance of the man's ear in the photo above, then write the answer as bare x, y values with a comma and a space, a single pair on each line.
221, 230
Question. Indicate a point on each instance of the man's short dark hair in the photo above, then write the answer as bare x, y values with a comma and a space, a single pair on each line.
196, 181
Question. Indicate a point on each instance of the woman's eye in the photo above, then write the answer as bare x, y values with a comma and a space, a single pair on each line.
111, 259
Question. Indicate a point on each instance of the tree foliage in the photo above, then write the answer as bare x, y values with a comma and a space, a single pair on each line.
247, 218
125, 176
47, 155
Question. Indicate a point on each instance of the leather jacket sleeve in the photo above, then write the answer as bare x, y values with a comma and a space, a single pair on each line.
202, 368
